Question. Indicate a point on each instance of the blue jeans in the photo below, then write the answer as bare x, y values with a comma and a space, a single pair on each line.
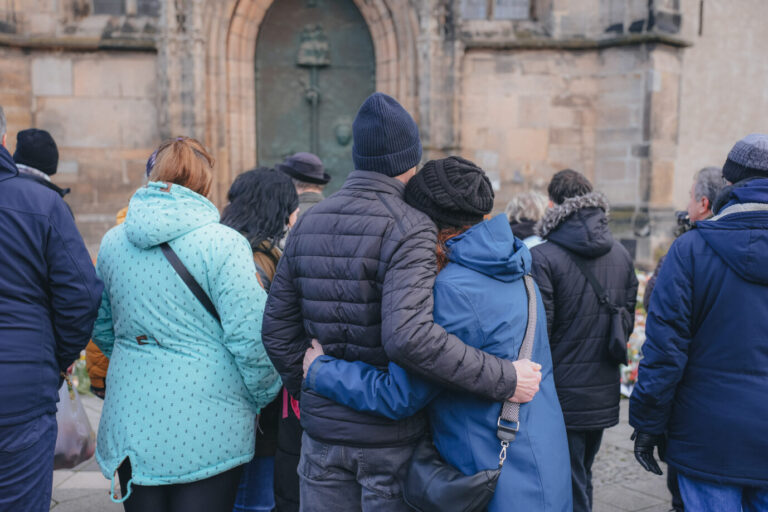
703, 496
348, 478
256, 492
26, 465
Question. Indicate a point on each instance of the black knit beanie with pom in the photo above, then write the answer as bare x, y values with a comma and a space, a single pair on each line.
453, 191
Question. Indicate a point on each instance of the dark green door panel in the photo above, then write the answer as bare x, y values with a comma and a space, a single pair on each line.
314, 67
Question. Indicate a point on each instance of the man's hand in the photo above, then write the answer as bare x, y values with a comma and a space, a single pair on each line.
528, 379
313, 352
644, 444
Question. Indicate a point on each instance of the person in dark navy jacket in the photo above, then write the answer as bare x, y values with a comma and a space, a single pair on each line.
703, 380
49, 296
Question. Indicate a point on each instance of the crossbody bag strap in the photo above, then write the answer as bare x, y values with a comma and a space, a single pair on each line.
264, 280
602, 296
508, 423
193, 285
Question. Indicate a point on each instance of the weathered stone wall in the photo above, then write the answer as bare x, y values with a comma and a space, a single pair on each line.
100, 109
724, 88
604, 86
528, 114
609, 113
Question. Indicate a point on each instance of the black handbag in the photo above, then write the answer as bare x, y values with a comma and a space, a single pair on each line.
434, 485
621, 319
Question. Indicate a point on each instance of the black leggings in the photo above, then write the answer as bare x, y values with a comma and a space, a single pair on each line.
214, 494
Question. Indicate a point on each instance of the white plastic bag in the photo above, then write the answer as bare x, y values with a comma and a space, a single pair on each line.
75, 442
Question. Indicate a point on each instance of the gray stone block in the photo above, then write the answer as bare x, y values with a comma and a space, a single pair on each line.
52, 76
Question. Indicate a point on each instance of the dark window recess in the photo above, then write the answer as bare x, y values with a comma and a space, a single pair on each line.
149, 7
474, 9
496, 9
113, 7
511, 9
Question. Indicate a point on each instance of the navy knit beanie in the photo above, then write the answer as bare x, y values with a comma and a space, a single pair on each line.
747, 159
454, 192
386, 138
36, 148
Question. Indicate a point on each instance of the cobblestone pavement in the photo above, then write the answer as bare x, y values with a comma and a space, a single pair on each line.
621, 485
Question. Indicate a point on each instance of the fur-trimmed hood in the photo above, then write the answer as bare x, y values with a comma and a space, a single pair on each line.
579, 224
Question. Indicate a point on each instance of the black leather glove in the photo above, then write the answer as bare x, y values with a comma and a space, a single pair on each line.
644, 444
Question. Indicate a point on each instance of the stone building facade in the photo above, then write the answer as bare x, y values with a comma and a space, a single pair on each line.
637, 94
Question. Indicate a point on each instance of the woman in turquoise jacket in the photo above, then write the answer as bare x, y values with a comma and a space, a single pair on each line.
183, 388
480, 297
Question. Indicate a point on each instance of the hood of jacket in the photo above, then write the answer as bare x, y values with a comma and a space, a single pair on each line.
7, 165
160, 213
739, 233
491, 249
579, 224
523, 229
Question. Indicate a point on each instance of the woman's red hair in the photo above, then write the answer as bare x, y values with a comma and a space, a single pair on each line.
443, 236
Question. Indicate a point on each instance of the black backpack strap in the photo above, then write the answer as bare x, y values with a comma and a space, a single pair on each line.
193, 285
602, 296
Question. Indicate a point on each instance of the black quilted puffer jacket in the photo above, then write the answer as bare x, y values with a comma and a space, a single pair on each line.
357, 274
586, 379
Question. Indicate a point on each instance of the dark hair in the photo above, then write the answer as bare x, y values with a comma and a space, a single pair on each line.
260, 203
566, 184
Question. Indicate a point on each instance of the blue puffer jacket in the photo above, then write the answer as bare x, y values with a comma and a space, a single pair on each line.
480, 297
182, 390
49, 295
704, 375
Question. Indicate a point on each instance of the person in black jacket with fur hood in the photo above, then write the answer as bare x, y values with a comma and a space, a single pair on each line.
586, 375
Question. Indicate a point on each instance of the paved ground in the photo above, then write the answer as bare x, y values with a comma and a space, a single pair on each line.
621, 485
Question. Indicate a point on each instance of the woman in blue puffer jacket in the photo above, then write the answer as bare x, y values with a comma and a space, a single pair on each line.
183, 387
480, 296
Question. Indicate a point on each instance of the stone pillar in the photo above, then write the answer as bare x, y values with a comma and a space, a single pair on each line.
439, 53
181, 69
664, 108
636, 141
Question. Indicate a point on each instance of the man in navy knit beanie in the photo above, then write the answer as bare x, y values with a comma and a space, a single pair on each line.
386, 138
355, 282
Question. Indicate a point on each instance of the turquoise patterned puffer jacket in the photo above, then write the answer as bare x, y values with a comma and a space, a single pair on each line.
182, 390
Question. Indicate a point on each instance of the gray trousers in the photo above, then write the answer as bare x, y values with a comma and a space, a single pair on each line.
583, 446
336, 477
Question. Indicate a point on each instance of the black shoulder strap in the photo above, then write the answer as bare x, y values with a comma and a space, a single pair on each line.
264, 279
599, 290
193, 285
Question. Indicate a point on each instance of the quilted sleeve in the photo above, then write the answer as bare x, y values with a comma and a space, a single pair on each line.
543, 277
284, 335
413, 340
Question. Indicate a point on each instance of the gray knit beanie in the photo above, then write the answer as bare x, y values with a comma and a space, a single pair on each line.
747, 159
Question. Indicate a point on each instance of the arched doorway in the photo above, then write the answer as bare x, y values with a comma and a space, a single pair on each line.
315, 65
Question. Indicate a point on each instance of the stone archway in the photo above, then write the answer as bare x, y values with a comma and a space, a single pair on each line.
230, 29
